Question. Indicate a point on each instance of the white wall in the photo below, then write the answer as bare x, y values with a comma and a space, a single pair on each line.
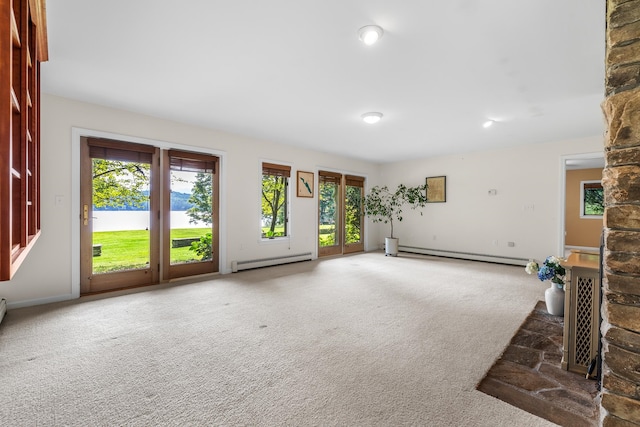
471, 220
48, 272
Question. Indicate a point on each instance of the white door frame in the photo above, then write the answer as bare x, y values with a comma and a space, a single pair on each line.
563, 190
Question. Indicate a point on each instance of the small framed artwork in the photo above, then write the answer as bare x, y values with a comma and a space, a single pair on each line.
436, 189
305, 184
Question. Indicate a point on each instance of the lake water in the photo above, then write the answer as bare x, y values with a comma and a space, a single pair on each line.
136, 220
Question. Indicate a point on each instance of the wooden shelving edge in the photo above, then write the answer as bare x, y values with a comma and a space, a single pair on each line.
23, 46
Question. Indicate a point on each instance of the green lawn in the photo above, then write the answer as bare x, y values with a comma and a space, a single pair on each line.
124, 250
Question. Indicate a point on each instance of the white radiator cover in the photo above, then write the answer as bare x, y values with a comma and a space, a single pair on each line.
267, 262
465, 255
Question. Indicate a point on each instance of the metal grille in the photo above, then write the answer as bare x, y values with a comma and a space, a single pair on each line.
584, 320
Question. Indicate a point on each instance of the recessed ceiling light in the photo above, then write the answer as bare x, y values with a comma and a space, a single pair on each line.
371, 117
370, 34
488, 123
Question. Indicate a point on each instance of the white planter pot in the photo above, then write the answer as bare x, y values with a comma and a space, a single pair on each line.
390, 246
554, 298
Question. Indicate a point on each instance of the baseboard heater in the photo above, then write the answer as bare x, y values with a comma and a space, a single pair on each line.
464, 255
3, 308
268, 262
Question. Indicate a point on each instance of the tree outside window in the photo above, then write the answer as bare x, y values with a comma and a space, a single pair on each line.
275, 189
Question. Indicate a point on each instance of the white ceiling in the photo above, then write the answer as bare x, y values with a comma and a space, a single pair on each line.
295, 72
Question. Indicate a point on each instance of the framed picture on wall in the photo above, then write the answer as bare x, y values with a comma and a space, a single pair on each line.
436, 189
305, 184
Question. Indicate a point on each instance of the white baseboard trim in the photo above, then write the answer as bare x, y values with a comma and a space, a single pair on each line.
268, 262
39, 301
465, 255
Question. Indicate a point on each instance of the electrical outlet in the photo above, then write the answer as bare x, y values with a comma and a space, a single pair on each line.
511, 244
495, 242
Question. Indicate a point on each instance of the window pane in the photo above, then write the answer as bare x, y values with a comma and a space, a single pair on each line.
191, 221
353, 214
274, 205
592, 198
121, 238
328, 213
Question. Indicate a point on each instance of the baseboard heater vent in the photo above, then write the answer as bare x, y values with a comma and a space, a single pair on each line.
268, 262
3, 308
465, 255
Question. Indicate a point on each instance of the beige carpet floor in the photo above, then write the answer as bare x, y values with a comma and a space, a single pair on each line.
362, 340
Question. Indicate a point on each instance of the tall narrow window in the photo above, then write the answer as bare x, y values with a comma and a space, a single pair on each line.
191, 226
353, 213
275, 194
329, 215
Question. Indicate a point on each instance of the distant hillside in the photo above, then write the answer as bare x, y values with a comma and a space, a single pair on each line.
179, 202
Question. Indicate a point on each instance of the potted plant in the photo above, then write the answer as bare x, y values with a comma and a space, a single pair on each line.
384, 205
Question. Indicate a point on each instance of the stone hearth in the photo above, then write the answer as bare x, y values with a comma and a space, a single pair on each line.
528, 375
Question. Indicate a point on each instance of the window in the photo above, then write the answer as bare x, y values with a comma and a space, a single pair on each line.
591, 199
275, 195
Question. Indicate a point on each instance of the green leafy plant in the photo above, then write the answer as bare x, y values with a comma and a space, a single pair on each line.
202, 247
384, 205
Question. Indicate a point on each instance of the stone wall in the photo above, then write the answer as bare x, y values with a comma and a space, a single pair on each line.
620, 397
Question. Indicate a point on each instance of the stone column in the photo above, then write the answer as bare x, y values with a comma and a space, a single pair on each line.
620, 397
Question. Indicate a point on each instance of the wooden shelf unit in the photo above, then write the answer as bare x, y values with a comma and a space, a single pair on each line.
23, 46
